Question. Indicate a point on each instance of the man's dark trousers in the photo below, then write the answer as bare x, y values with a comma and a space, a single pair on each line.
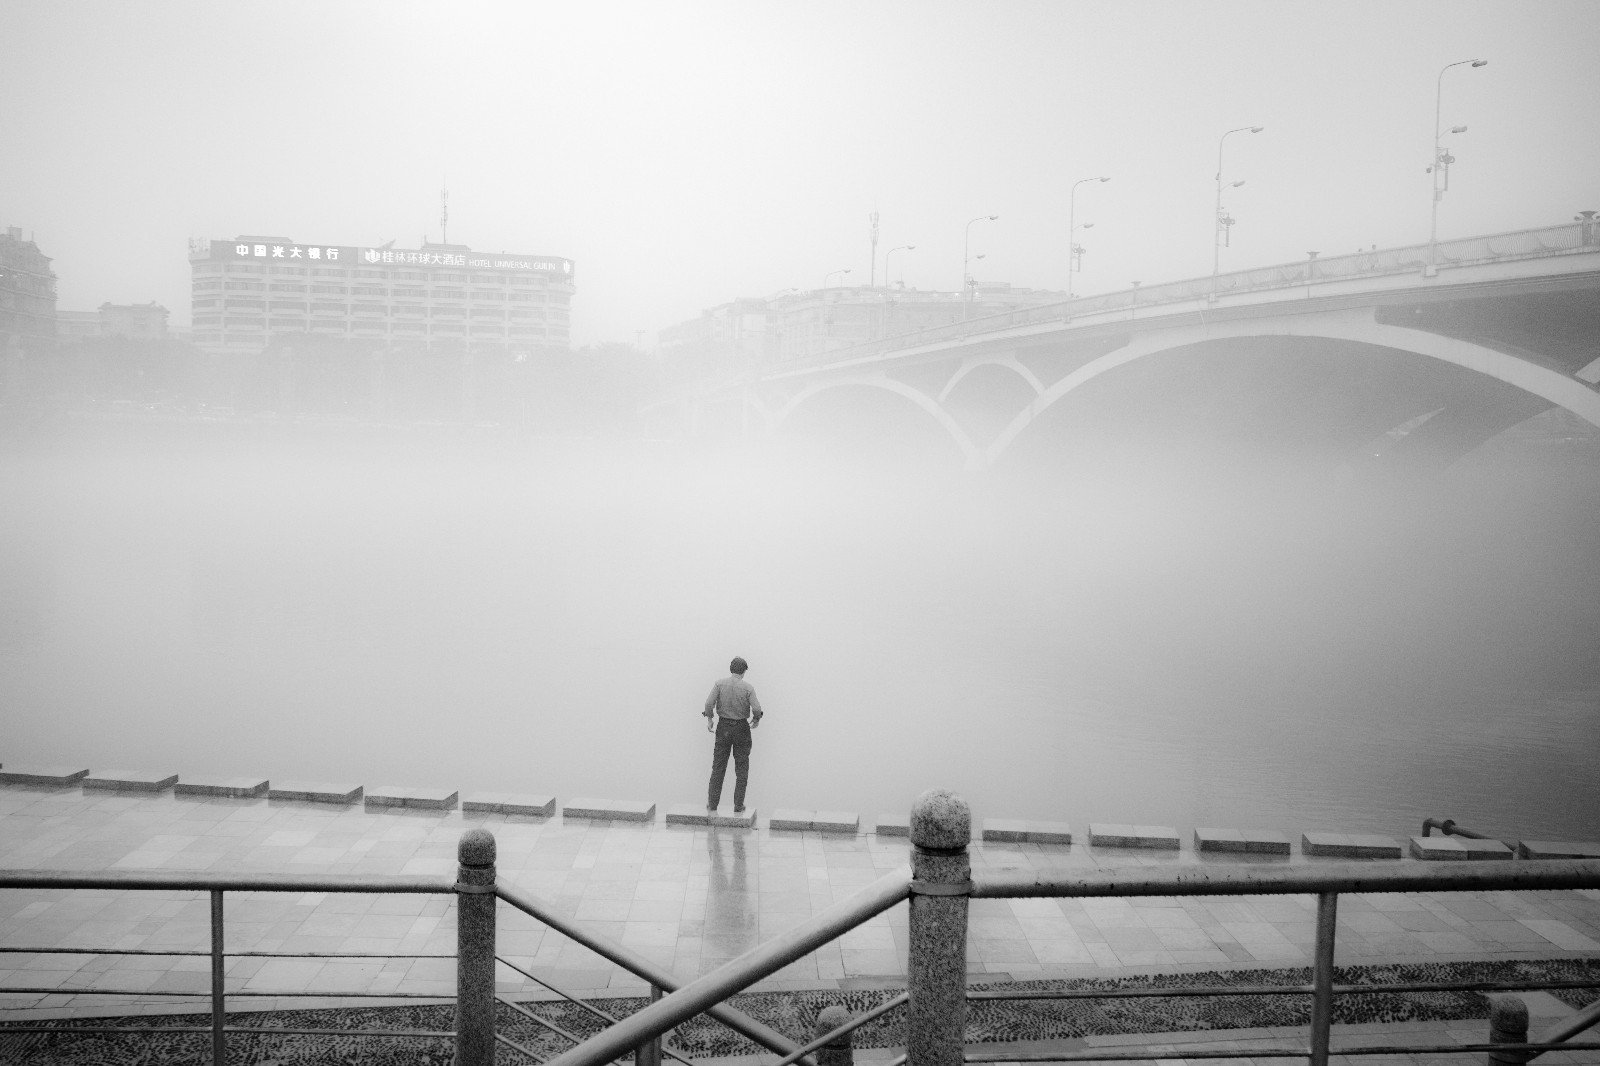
733, 735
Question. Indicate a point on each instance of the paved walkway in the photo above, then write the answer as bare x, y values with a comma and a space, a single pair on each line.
688, 898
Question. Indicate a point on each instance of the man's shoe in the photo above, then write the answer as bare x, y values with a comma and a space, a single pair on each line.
738, 810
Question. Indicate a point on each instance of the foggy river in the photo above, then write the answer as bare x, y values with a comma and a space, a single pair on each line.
460, 608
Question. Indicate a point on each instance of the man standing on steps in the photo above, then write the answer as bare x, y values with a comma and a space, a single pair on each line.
732, 710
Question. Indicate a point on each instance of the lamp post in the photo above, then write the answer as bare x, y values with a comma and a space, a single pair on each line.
1073, 251
831, 273
966, 243
886, 255
1440, 161
1216, 225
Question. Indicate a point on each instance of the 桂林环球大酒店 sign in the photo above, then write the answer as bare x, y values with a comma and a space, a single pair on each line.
346, 255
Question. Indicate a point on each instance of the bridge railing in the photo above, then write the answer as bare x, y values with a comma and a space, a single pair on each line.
1499, 247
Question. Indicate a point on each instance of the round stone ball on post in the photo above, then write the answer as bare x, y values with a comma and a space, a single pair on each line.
839, 1052
1508, 1024
936, 971
475, 906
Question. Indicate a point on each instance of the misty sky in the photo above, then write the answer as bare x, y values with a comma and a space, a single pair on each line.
684, 154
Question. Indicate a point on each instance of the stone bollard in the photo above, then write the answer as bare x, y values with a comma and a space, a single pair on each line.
936, 972
837, 1053
1508, 1024
475, 906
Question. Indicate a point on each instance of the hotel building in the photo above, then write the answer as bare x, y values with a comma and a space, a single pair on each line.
27, 296
252, 291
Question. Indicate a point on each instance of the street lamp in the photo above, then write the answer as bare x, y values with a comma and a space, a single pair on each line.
1216, 226
966, 281
1073, 251
831, 273
1441, 158
886, 255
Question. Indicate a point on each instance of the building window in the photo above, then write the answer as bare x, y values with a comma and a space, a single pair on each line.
410, 309
409, 327
245, 286
370, 309
446, 311
242, 323
521, 279
526, 312
329, 272
417, 293
287, 270
201, 286
246, 305
479, 294
410, 275
331, 289
328, 327
289, 305
206, 303
371, 274
243, 268
208, 320
367, 290
447, 294
447, 278
327, 309
294, 324
487, 312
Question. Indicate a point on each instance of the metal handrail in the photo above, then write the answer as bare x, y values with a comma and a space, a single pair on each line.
641, 967
1327, 882
704, 993
848, 1027
1448, 827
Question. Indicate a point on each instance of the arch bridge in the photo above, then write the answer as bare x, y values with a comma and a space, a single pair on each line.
1430, 360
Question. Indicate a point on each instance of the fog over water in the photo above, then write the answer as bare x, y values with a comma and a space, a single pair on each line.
1144, 640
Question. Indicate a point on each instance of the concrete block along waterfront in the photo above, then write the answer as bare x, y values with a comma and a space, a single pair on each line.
687, 897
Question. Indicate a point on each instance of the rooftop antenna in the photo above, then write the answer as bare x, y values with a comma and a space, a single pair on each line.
444, 213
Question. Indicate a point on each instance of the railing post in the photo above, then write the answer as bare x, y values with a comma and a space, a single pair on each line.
1322, 977
838, 1053
936, 972
1508, 1024
475, 906
649, 1052
219, 1038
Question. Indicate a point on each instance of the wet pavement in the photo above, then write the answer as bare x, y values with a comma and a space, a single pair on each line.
689, 898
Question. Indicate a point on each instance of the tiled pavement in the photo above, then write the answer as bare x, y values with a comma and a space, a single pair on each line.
689, 898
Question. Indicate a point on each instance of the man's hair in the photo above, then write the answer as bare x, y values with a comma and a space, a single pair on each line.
738, 666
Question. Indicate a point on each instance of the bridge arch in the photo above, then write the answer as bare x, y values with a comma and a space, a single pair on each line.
972, 455
1357, 325
1009, 361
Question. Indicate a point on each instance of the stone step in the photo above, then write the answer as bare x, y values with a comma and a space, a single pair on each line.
135, 780
1253, 841
1023, 831
1558, 849
426, 799
791, 820
1117, 835
1349, 846
315, 792
1458, 849
607, 809
511, 803
692, 814
51, 776
233, 787
893, 825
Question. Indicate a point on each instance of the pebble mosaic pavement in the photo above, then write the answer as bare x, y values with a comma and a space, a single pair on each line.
689, 898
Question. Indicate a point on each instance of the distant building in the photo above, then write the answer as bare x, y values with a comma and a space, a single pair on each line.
797, 325
27, 296
251, 291
140, 321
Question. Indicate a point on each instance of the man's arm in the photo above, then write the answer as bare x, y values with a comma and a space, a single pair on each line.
755, 710
711, 708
